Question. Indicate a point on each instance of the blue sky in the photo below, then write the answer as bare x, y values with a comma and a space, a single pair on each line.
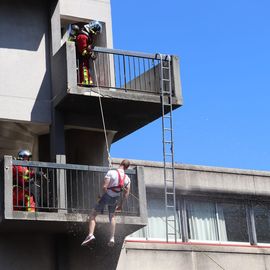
224, 51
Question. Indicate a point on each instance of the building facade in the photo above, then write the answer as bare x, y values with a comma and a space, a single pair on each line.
223, 220
222, 214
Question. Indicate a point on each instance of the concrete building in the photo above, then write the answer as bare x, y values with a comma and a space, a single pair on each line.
223, 221
222, 214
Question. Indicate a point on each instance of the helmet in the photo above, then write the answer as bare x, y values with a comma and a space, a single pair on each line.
94, 27
24, 153
75, 27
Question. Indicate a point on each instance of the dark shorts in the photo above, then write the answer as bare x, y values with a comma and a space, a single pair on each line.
107, 200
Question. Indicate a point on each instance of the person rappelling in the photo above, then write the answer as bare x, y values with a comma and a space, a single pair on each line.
115, 183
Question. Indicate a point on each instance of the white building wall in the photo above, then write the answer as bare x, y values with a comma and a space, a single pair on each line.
89, 10
25, 91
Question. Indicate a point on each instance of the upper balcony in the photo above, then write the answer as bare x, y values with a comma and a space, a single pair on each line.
63, 194
127, 82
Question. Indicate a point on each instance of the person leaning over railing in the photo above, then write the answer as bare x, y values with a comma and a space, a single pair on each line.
84, 44
22, 197
115, 182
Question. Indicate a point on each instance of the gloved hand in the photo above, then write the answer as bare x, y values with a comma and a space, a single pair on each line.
118, 208
85, 52
93, 56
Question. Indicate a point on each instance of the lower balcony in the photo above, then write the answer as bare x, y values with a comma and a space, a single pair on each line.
62, 196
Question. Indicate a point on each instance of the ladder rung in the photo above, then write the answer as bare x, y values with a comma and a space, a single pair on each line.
166, 80
168, 92
170, 219
167, 141
169, 181
169, 193
170, 206
168, 129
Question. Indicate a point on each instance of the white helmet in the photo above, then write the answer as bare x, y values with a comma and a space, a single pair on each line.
94, 27
24, 153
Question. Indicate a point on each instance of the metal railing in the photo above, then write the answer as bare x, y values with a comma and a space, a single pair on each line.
72, 188
124, 70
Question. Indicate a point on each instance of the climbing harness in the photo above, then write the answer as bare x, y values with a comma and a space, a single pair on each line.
121, 184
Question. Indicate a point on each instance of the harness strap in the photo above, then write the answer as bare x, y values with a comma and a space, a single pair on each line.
120, 186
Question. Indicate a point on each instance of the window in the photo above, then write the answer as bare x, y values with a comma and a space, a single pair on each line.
233, 216
262, 222
211, 221
202, 223
156, 228
215, 220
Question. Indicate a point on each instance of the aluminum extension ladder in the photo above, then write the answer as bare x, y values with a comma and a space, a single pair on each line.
168, 147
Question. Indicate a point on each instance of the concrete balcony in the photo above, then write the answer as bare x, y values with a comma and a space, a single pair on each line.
64, 195
127, 82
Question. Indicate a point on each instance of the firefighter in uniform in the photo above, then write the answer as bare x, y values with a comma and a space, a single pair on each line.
84, 42
22, 197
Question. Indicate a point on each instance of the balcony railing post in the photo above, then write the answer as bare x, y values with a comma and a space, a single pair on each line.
142, 194
176, 81
71, 66
8, 185
61, 185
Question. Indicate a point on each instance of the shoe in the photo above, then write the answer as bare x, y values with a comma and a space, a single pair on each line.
111, 242
88, 239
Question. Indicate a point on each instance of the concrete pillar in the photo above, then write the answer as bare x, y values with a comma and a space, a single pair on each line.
57, 137
8, 185
55, 26
176, 81
87, 147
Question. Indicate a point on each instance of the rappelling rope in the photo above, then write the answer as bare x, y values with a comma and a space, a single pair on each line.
104, 126
102, 116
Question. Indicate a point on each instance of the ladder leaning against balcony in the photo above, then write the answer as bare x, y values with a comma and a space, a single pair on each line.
168, 146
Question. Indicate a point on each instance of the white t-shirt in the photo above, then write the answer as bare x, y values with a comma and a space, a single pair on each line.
112, 175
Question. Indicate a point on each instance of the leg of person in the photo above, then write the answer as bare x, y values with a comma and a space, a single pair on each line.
92, 222
111, 209
112, 229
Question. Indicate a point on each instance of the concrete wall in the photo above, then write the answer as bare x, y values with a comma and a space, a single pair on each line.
27, 251
195, 180
156, 256
85, 10
15, 136
24, 56
192, 179
59, 251
86, 147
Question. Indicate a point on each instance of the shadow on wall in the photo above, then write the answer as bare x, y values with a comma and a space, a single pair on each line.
41, 111
24, 30
22, 23
16, 136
